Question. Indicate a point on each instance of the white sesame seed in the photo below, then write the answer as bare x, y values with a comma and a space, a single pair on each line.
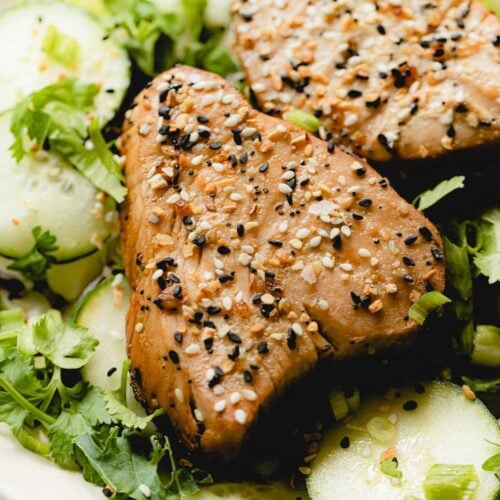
350, 119
157, 274
346, 267
391, 288
249, 395
240, 416
144, 129
198, 415
227, 303
346, 231
289, 174
218, 167
267, 298
342, 180
145, 490
210, 374
334, 232
323, 304
374, 261
364, 252
219, 389
297, 244
315, 242
179, 395
220, 406
248, 249
327, 262
232, 121
173, 199
184, 195
157, 182
139, 327
192, 349
154, 219
235, 197
356, 166
297, 328
393, 418
283, 227
197, 160
235, 397
205, 225
303, 233
244, 259
284, 188
218, 264
248, 131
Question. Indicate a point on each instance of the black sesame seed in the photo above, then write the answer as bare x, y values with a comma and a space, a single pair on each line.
187, 221
354, 93
209, 343
365, 202
330, 146
408, 261
410, 405
337, 242
262, 347
356, 299
381, 29
223, 250
243, 158
275, 243
345, 442
437, 254
111, 371
212, 310
408, 278
240, 229
178, 337
200, 241
410, 240
428, 286
215, 145
247, 376
234, 337
107, 492
177, 292
164, 112
291, 339
174, 357
450, 132
419, 388
235, 352
202, 119
357, 216
373, 104
425, 232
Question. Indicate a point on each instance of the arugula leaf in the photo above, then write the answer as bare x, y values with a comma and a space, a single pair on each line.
432, 196
389, 467
126, 416
60, 47
67, 346
37, 261
55, 118
119, 467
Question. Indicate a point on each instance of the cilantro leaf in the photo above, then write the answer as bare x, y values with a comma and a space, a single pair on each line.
55, 118
432, 196
487, 259
67, 346
36, 262
126, 416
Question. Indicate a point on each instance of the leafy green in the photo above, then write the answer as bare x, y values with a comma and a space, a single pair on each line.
487, 346
432, 196
389, 467
157, 40
479, 385
55, 118
67, 346
302, 119
60, 47
425, 305
493, 464
125, 415
37, 261
487, 258
445, 481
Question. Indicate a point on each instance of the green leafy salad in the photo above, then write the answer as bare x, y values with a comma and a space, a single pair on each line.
64, 375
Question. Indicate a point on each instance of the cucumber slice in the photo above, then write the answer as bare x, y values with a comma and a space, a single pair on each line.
245, 491
43, 190
33, 304
69, 280
103, 311
25, 68
444, 428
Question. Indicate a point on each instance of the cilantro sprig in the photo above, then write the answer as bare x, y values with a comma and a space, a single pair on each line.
57, 118
85, 427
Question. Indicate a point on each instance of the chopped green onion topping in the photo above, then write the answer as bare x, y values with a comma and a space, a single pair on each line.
302, 119
425, 305
390, 468
61, 48
432, 196
338, 404
381, 429
450, 482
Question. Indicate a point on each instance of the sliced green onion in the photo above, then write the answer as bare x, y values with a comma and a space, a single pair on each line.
487, 346
353, 401
425, 305
381, 429
390, 468
63, 49
338, 404
305, 120
11, 319
450, 482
